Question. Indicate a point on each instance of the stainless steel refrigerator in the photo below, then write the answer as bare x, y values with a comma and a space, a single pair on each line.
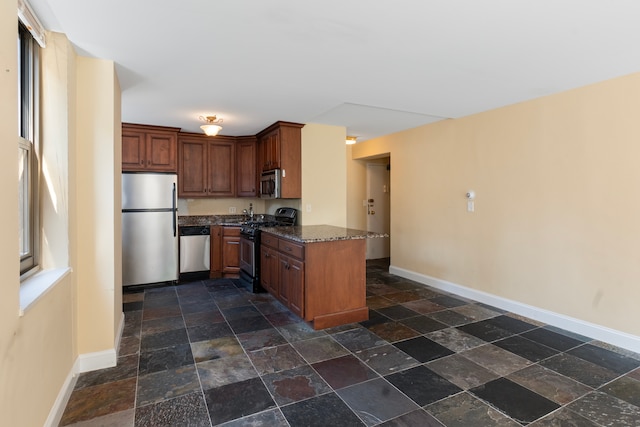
149, 228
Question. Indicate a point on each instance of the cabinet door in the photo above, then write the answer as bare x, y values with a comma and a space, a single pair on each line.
231, 251
269, 270
246, 168
192, 168
295, 272
216, 251
270, 146
284, 291
161, 152
133, 150
221, 163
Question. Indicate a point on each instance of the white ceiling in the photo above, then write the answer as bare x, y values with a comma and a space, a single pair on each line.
374, 67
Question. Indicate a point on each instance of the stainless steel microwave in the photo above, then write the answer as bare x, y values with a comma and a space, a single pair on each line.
270, 183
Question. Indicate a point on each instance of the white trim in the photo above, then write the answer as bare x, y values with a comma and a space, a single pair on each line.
36, 286
96, 360
592, 330
31, 21
56, 412
83, 363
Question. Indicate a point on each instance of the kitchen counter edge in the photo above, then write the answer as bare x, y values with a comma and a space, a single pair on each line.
320, 233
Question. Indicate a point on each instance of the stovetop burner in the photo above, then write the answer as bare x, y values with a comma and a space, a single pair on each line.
283, 217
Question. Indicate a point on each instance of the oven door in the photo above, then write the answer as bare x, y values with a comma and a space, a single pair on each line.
247, 255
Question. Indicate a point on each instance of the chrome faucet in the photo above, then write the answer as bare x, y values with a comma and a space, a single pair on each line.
249, 212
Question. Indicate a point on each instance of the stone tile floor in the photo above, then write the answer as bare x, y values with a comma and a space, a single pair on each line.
210, 353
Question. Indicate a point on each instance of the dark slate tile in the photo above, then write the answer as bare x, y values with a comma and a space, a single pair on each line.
423, 349
526, 348
275, 359
215, 349
197, 307
102, 399
163, 385
378, 301
376, 401
162, 301
552, 339
568, 333
579, 369
344, 371
219, 372
132, 306
450, 317
321, 411
375, 318
423, 385
485, 330
282, 318
393, 331
209, 331
256, 340
240, 312
270, 418
511, 324
397, 312
625, 388
419, 417
564, 417
163, 339
182, 411
237, 400
465, 410
295, 384
386, 359
461, 371
448, 301
321, 348
156, 313
519, 403
607, 410
126, 367
423, 324
299, 331
606, 358
163, 324
358, 339
165, 358
203, 318
454, 339
550, 384
249, 324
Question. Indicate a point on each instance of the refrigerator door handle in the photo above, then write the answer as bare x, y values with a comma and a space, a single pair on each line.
174, 211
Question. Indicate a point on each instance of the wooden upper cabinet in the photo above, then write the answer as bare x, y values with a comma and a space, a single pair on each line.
222, 167
149, 148
206, 166
246, 172
280, 147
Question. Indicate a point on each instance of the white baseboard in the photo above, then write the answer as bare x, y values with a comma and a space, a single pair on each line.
592, 330
84, 363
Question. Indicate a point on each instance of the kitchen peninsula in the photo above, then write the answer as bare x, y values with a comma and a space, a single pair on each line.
317, 271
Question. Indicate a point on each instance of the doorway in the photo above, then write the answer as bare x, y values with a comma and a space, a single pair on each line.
378, 208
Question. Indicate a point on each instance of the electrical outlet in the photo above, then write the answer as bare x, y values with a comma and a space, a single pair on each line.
308, 207
232, 209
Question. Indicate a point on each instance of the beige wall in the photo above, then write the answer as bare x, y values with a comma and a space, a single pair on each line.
219, 206
79, 197
324, 173
98, 216
557, 206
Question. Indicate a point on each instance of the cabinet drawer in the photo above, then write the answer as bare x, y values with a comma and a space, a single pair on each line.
269, 240
295, 250
231, 231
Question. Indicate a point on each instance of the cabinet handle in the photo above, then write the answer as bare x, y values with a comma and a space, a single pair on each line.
141, 162
287, 248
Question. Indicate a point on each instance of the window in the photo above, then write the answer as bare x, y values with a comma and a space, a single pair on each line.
28, 162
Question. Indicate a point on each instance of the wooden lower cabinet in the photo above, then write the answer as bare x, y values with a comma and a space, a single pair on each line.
322, 282
225, 251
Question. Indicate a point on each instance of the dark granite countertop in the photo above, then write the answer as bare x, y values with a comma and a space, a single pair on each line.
320, 233
226, 220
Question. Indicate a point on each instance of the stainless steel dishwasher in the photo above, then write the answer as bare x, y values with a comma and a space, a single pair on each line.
195, 246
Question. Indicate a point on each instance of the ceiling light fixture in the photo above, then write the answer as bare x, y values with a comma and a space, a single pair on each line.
213, 125
351, 140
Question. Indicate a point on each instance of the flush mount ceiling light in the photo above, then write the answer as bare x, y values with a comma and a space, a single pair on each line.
213, 125
351, 140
